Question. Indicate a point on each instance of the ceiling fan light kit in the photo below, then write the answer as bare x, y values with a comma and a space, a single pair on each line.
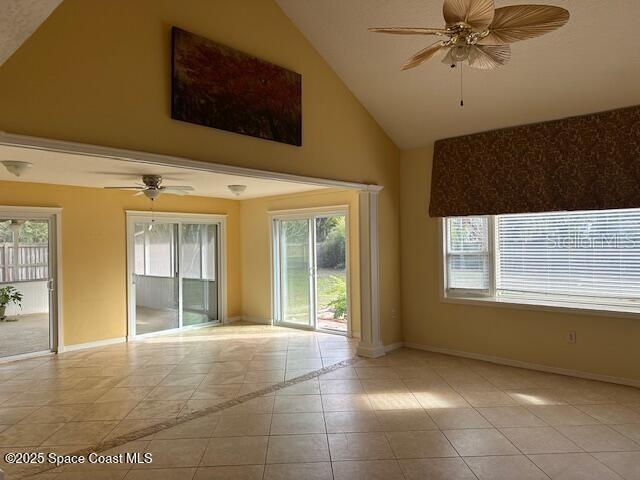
478, 34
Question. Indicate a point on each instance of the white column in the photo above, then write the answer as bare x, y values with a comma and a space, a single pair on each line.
370, 344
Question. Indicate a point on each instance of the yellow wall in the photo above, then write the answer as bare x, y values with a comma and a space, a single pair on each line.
605, 345
256, 244
98, 72
94, 264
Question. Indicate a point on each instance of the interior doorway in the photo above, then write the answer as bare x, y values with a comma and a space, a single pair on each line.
310, 269
28, 299
176, 276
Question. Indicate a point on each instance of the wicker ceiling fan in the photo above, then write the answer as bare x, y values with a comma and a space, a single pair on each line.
479, 34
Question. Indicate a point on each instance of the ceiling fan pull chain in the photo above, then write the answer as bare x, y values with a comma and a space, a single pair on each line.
461, 94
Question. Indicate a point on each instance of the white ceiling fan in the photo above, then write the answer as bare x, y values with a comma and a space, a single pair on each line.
151, 187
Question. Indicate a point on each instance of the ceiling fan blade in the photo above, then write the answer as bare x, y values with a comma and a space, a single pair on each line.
423, 55
476, 13
185, 188
488, 57
124, 188
410, 31
141, 192
521, 22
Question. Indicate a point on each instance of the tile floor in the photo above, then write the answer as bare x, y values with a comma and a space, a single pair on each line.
409, 415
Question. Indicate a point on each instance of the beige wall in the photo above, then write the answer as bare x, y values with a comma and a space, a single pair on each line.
256, 244
98, 72
94, 266
605, 345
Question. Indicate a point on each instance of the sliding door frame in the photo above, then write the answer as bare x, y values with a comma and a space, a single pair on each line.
309, 214
54, 218
135, 216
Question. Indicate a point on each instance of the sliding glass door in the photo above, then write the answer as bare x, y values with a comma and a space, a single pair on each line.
310, 271
174, 266
27, 283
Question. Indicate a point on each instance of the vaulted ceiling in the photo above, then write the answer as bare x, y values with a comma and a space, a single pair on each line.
18, 20
591, 64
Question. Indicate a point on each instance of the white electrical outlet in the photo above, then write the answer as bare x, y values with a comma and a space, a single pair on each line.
571, 337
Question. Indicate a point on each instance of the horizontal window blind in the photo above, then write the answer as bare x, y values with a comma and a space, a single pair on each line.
468, 259
589, 255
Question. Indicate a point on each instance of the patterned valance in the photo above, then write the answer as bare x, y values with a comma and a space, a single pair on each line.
591, 162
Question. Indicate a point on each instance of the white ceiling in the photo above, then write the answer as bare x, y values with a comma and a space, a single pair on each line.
591, 64
18, 20
87, 171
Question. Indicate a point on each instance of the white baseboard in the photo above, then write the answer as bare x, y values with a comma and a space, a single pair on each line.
97, 343
229, 320
370, 351
258, 320
393, 346
531, 366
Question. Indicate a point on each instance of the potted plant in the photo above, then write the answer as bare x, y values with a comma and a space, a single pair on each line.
9, 295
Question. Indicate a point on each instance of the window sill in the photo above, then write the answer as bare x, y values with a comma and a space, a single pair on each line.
547, 305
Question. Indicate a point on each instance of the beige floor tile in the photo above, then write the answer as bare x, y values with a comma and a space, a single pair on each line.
297, 423
393, 401
124, 394
55, 414
10, 415
243, 425
487, 398
562, 415
74, 433
341, 386
298, 449
480, 442
161, 474
509, 467
573, 466
532, 440
141, 381
253, 406
105, 411
375, 373
352, 422
309, 387
385, 385
367, 470
198, 428
404, 420
95, 475
528, 396
626, 464
156, 409
28, 434
598, 438
264, 376
359, 446
436, 469
420, 444
237, 472
297, 404
173, 392
299, 471
214, 391
127, 427
455, 418
346, 402
235, 451
440, 397
174, 453
511, 417
347, 373
631, 431
611, 413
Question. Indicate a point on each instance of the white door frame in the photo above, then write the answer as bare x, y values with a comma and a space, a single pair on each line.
52, 215
368, 213
276, 293
133, 217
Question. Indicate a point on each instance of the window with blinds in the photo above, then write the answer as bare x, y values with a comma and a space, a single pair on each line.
468, 254
572, 257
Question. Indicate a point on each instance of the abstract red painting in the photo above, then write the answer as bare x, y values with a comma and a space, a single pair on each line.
219, 87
